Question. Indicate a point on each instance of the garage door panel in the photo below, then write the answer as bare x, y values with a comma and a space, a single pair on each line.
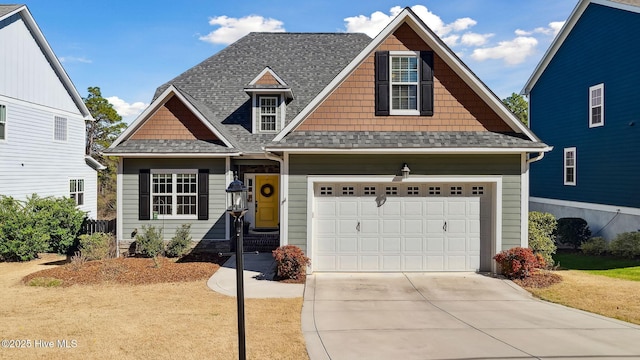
347, 245
456, 244
326, 245
348, 262
369, 226
370, 263
392, 207
326, 209
391, 263
413, 244
435, 263
413, 263
473, 245
326, 262
347, 226
391, 245
391, 226
435, 244
456, 227
370, 244
412, 207
413, 226
326, 227
435, 226
435, 206
347, 207
457, 207
456, 263
368, 207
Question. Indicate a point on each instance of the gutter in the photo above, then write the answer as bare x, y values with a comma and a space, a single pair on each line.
539, 157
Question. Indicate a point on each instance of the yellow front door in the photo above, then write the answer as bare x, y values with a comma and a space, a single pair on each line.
267, 209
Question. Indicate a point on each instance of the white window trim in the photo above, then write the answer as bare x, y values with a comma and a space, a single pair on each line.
393, 111
280, 110
66, 128
174, 195
591, 106
77, 191
565, 167
6, 116
259, 113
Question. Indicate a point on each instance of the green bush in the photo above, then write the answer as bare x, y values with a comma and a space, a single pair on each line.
291, 261
594, 246
96, 246
626, 245
542, 227
573, 231
179, 244
149, 243
21, 239
60, 218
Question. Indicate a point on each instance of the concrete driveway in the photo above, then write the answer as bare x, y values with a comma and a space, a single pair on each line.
450, 316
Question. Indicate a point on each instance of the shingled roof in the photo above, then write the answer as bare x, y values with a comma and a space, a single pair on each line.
307, 62
7, 8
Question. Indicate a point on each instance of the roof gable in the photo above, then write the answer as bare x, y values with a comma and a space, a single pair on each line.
171, 117
267, 77
407, 18
458, 107
576, 14
10, 16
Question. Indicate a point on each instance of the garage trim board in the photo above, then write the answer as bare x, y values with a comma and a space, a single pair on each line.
380, 223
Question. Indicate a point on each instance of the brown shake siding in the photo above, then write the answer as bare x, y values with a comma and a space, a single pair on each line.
351, 106
267, 79
173, 121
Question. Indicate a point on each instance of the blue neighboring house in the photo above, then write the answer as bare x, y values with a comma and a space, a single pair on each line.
583, 101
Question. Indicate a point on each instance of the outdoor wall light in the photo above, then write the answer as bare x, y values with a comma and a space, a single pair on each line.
405, 171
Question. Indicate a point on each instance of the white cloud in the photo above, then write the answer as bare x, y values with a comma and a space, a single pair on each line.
553, 29
475, 39
451, 40
513, 52
372, 25
520, 32
125, 109
232, 29
74, 59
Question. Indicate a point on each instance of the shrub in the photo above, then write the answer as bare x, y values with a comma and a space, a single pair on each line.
626, 244
21, 239
573, 231
45, 282
149, 243
542, 227
179, 244
594, 246
96, 246
517, 262
292, 263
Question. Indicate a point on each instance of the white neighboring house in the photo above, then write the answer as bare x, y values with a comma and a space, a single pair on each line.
42, 119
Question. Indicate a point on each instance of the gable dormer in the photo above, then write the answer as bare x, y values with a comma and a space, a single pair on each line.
269, 98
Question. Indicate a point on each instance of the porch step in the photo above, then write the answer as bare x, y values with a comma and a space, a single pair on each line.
258, 242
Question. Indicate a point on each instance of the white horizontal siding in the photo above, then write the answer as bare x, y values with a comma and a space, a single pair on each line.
31, 161
25, 73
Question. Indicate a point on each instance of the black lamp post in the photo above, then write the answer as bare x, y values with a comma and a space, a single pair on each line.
237, 193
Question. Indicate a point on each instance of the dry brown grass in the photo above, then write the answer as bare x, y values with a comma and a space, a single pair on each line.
159, 321
603, 295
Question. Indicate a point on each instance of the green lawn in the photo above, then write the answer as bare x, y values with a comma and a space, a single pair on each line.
628, 269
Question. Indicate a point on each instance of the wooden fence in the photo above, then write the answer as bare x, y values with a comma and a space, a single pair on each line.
90, 226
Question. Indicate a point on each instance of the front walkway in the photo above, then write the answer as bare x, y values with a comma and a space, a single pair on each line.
259, 270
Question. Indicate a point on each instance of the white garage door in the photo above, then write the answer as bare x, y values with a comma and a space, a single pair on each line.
382, 227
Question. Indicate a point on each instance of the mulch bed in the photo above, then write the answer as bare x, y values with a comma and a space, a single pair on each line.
133, 271
539, 279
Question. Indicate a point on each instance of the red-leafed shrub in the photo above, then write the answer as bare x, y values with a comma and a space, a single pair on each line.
291, 261
518, 263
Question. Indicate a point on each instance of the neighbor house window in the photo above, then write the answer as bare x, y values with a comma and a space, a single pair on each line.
60, 128
174, 193
268, 113
596, 105
3, 122
76, 190
404, 84
570, 166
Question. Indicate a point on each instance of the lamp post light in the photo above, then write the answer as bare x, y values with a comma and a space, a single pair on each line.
405, 171
237, 194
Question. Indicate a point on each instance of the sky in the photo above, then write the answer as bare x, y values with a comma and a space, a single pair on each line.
129, 48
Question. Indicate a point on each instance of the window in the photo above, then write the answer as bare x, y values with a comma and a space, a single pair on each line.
268, 113
173, 193
76, 190
570, 166
434, 190
391, 190
596, 105
404, 83
326, 190
455, 190
3, 122
60, 128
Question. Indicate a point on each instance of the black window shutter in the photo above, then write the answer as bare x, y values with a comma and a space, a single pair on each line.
203, 194
144, 195
426, 83
382, 83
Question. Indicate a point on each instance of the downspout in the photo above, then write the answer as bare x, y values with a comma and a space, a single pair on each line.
537, 158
